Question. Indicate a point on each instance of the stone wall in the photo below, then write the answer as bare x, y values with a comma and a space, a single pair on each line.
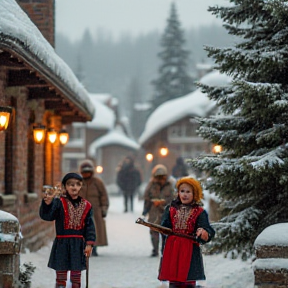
271, 249
10, 244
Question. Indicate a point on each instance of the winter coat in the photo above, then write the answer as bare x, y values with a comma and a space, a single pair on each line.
74, 230
182, 258
180, 169
94, 191
128, 179
152, 192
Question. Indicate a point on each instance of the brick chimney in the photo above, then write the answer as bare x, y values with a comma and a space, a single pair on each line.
42, 14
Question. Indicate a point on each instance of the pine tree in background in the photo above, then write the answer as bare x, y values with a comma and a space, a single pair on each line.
174, 80
250, 176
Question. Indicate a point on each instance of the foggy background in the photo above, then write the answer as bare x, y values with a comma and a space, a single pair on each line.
124, 65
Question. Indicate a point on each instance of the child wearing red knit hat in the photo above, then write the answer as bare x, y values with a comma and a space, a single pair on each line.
182, 262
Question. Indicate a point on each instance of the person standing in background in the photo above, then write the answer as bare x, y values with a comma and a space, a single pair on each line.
95, 192
179, 169
158, 193
128, 180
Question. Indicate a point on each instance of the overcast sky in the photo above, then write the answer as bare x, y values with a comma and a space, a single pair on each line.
129, 16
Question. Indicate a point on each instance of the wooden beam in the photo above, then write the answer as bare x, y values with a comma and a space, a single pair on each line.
24, 78
43, 93
7, 60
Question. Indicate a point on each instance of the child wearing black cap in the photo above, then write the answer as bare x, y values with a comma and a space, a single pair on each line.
75, 230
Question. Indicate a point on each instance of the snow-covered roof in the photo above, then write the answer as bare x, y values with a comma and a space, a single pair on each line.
204, 66
102, 97
18, 32
106, 98
114, 137
215, 78
104, 117
193, 104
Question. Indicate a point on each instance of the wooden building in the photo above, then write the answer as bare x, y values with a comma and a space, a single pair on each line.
170, 131
41, 90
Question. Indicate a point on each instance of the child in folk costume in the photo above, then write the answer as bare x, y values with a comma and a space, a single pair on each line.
182, 262
75, 231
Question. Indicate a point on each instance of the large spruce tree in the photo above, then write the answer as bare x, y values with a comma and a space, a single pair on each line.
173, 80
251, 174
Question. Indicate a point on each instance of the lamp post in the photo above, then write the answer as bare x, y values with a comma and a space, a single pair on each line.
5, 114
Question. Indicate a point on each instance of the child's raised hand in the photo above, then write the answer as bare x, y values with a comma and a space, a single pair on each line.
88, 250
48, 194
202, 234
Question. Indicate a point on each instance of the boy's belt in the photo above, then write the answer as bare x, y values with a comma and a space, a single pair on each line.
69, 236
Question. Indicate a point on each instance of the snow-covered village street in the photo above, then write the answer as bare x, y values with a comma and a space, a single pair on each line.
126, 262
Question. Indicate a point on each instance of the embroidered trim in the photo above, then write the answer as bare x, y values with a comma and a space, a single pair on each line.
184, 218
74, 217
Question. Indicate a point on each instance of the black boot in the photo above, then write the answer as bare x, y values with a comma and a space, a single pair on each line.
154, 253
180, 285
94, 251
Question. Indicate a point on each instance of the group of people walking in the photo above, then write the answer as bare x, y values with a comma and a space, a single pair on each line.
79, 214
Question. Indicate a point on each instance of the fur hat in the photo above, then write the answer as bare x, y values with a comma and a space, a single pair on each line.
71, 176
159, 170
197, 189
87, 166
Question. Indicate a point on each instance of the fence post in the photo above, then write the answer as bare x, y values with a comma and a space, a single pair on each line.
10, 245
271, 264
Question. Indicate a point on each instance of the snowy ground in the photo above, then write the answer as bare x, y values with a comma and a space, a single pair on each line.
126, 262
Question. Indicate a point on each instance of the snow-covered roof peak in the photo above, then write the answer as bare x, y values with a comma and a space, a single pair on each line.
104, 117
114, 137
193, 104
215, 78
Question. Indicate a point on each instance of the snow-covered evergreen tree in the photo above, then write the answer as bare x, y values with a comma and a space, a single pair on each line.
173, 80
251, 174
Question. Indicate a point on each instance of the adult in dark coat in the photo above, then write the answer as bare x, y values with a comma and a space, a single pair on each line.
75, 230
179, 169
128, 180
182, 262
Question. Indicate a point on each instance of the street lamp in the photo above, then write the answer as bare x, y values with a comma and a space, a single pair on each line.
217, 149
52, 135
5, 113
149, 157
63, 137
99, 169
164, 151
39, 133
